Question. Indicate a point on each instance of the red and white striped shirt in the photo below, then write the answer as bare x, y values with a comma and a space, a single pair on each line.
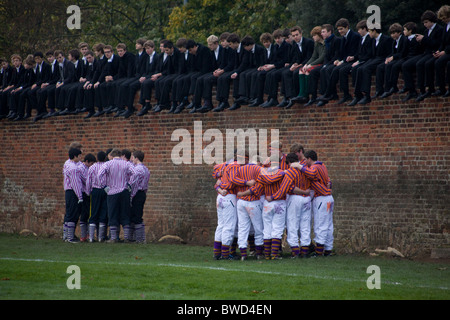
139, 180
72, 178
92, 180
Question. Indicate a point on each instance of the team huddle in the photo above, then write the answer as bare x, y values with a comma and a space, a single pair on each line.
109, 190
258, 201
181, 76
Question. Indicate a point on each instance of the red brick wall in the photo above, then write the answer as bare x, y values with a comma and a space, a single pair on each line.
389, 162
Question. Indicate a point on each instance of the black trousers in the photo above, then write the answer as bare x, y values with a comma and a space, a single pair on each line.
137, 207
99, 208
273, 79
119, 208
440, 67
73, 209
224, 85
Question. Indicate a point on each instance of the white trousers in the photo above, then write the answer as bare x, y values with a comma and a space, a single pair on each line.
226, 219
298, 218
323, 207
274, 219
249, 214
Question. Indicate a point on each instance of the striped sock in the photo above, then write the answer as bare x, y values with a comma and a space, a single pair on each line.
132, 232
295, 251
64, 231
92, 231
276, 245
70, 230
304, 250
83, 231
251, 242
113, 232
243, 252
101, 232
267, 247
233, 247
140, 233
319, 249
217, 248
259, 250
126, 232
225, 251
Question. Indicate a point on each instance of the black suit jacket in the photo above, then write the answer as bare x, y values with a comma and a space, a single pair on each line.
91, 69
271, 59
140, 64
349, 46
432, 42
301, 57
222, 59
402, 49
6, 77
100, 66
203, 60
445, 44
110, 68
282, 54
16, 75
163, 66
332, 53
44, 74
127, 66
384, 48
79, 71
365, 50
68, 72
151, 68
27, 79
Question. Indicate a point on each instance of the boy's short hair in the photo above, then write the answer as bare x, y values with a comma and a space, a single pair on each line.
328, 27
286, 32
247, 41
149, 44
362, 25
168, 44
115, 153
181, 43
139, 155
101, 156
311, 154
83, 45
74, 152
224, 36
291, 158
108, 47
141, 41
411, 26
99, 47
190, 44
38, 54
49, 53
266, 37
30, 61
76, 145
212, 39
342, 22
296, 28
75, 54
277, 34
121, 46
89, 53
296, 147
443, 12
316, 31
59, 52
395, 28
16, 56
234, 38
126, 153
89, 158
429, 15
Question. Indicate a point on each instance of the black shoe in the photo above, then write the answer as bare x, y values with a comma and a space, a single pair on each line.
48, 115
18, 118
190, 105
158, 108
222, 106
300, 99
423, 96
437, 93
98, 113
127, 114
354, 102
256, 103
90, 114
242, 100
26, 116
179, 109
194, 109
446, 94
10, 115
322, 103
270, 103
377, 94
365, 100
172, 109
113, 110
344, 99
283, 103
385, 95
310, 102
64, 112
205, 108
38, 117
235, 106
290, 104
410, 96
402, 91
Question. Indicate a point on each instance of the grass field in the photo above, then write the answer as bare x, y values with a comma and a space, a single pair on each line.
36, 269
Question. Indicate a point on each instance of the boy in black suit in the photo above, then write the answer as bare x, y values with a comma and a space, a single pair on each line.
43, 93
281, 61
350, 41
431, 41
19, 94
43, 73
387, 73
68, 92
301, 51
442, 56
323, 73
17, 74
224, 81
382, 47
6, 75
133, 84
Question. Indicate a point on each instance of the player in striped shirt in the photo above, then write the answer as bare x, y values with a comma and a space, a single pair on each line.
249, 210
139, 186
94, 188
298, 212
323, 202
88, 161
217, 175
115, 175
73, 188
274, 212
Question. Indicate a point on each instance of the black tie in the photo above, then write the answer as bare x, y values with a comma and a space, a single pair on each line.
61, 73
